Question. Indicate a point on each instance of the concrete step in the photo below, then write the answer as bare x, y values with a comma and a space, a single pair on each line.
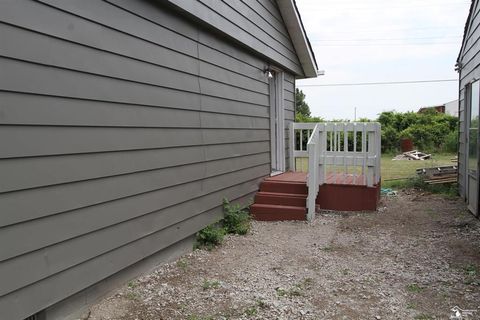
270, 212
285, 199
284, 187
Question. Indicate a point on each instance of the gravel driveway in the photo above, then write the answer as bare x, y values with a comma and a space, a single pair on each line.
416, 258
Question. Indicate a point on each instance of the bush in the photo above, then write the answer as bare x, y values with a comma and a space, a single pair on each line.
430, 131
237, 220
451, 142
210, 236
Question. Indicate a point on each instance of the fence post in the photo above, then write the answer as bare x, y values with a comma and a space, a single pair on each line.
322, 139
291, 132
372, 146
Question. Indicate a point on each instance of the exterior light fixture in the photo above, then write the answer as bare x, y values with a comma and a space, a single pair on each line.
458, 66
268, 73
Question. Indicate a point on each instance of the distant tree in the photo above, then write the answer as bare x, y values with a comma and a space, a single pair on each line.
301, 118
301, 107
430, 131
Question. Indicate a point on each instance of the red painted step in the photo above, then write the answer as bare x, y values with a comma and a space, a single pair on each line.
284, 187
269, 212
286, 199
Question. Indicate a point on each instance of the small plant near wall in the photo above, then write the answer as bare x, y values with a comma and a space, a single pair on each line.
236, 221
211, 236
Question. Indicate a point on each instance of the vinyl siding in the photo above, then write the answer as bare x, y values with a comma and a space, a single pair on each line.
123, 125
240, 20
470, 59
289, 105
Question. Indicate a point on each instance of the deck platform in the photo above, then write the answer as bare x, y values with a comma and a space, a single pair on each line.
283, 197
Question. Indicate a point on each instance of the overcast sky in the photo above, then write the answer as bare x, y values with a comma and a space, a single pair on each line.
382, 41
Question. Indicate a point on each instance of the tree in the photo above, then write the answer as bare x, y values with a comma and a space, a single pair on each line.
301, 107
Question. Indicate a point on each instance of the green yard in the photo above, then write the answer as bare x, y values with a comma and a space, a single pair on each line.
397, 169
393, 171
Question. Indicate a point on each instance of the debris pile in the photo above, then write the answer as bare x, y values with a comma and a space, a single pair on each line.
437, 175
413, 155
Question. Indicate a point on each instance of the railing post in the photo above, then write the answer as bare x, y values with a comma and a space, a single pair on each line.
372, 146
322, 146
311, 148
291, 133
378, 134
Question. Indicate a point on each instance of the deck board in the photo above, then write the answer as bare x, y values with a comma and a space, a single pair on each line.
332, 178
289, 177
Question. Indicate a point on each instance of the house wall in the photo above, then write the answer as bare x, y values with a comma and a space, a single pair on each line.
123, 125
470, 59
257, 24
289, 103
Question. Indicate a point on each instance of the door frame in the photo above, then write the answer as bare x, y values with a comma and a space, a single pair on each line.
277, 121
472, 204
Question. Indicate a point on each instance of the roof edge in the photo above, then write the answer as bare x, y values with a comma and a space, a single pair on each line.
465, 31
301, 43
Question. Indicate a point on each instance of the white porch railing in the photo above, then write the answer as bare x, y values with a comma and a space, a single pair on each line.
339, 153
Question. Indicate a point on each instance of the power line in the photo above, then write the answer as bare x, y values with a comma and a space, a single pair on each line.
389, 44
388, 39
375, 83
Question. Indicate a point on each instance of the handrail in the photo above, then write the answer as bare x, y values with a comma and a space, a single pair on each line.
313, 149
347, 152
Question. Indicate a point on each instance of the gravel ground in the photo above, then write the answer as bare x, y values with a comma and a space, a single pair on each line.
416, 258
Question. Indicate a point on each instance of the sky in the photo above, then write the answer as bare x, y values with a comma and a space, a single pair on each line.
382, 41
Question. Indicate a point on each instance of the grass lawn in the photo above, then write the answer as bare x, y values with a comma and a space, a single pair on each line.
397, 169
391, 170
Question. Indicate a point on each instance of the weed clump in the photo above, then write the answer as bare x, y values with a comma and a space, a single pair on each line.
210, 236
236, 221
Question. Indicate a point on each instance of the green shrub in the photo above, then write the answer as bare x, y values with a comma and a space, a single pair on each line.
236, 220
430, 131
451, 142
210, 236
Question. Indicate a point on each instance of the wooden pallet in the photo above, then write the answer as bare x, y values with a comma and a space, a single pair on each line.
438, 175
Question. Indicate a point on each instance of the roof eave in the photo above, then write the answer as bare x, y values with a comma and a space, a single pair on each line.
465, 33
300, 41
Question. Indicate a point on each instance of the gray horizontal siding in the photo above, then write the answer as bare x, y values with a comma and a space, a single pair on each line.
268, 12
470, 59
234, 23
101, 240
36, 203
52, 170
122, 128
30, 140
289, 105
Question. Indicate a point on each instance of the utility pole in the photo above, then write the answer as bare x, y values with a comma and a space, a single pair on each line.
355, 115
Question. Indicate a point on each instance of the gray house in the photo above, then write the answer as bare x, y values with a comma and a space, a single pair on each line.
123, 124
468, 65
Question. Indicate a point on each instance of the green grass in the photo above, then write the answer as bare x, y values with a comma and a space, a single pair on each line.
211, 284
401, 174
414, 288
397, 169
401, 169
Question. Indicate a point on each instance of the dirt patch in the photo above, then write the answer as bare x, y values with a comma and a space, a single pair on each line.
416, 258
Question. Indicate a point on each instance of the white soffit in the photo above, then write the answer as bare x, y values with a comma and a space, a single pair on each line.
295, 28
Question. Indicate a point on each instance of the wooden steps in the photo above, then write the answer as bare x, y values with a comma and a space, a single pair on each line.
280, 200
270, 212
284, 197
